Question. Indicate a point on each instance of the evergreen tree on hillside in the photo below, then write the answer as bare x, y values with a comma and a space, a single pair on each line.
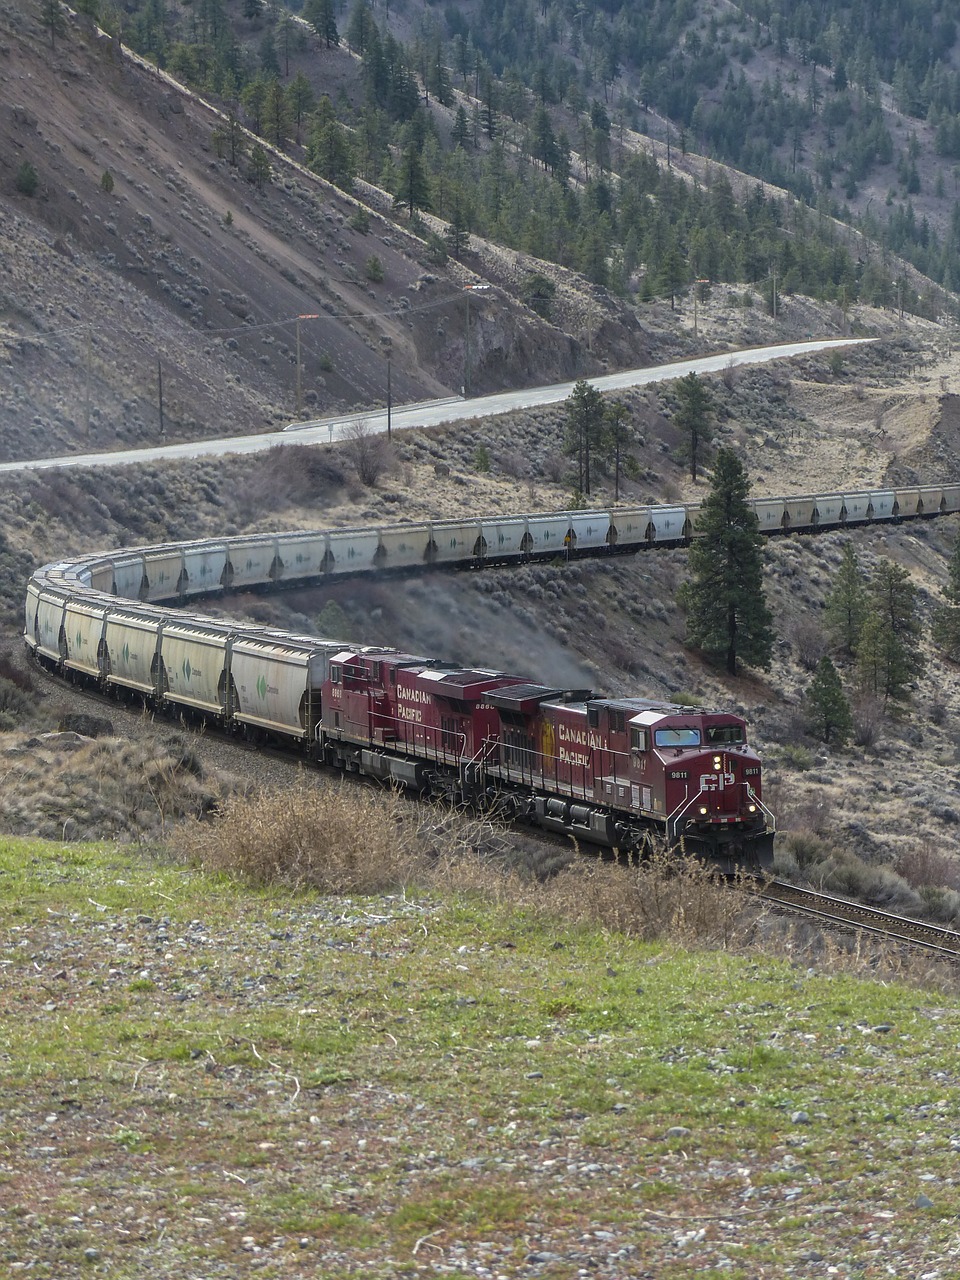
413, 187
322, 17
329, 147
260, 171
846, 605
300, 100
693, 417
888, 651
946, 619
51, 16
276, 115
727, 613
826, 705
584, 428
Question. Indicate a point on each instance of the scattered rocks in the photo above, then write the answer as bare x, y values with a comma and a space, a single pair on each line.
86, 724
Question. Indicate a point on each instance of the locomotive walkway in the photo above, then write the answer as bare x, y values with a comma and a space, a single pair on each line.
432, 413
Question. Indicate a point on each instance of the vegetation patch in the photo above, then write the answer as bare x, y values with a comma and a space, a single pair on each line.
356, 1084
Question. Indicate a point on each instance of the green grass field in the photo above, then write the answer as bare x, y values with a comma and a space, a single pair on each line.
202, 1079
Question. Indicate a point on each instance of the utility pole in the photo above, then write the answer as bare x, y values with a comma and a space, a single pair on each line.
774, 272
160, 396
468, 289
389, 399
299, 366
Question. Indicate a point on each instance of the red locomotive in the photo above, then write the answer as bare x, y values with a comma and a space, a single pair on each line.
615, 772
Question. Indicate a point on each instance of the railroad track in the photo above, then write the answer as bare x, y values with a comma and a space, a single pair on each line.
855, 915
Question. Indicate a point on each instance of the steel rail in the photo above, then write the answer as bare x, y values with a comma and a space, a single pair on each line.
849, 914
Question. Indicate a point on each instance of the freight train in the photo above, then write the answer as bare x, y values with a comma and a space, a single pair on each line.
614, 772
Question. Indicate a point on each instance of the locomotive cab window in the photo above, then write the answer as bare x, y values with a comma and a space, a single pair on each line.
618, 721
676, 737
335, 674
638, 740
724, 733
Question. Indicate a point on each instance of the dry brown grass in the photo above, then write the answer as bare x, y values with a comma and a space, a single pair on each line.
63, 786
666, 897
349, 839
334, 839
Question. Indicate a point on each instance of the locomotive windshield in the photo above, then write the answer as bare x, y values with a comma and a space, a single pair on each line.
676, 737
718, 734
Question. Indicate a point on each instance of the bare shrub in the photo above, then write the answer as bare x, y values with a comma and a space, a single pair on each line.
367, 451
12, 670
666, 897
809, 642
61, 786
808, 814
338, 839
929, 866
15, 704
290, 474
867, 721
511, 462
830, 868
555, 467
941, 904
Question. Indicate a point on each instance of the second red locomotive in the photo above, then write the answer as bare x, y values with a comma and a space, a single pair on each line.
616, 772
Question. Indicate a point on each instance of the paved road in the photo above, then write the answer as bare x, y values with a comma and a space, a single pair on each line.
431, 414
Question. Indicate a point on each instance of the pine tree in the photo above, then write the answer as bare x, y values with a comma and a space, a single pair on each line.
361, 27
726, 610
617, 416
461, 131
693, 417
254, 97
846, 605
276, 117
300, 100
673, 273
826, 705
888, 652
457, 234
413, 188
946, 619
329, 147
51, 16
260, 170
585, 426
322, 17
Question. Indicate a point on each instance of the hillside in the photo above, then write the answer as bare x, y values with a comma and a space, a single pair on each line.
184, 266
146, 272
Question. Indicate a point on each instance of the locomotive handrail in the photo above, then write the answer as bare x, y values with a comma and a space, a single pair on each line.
767, 813
673, 818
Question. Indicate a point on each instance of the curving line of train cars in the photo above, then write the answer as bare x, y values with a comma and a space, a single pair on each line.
101, 619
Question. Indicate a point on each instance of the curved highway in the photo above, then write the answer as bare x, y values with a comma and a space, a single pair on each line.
431, 414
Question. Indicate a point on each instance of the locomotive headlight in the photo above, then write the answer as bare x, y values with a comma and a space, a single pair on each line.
718, 762
751, 808
703, 810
